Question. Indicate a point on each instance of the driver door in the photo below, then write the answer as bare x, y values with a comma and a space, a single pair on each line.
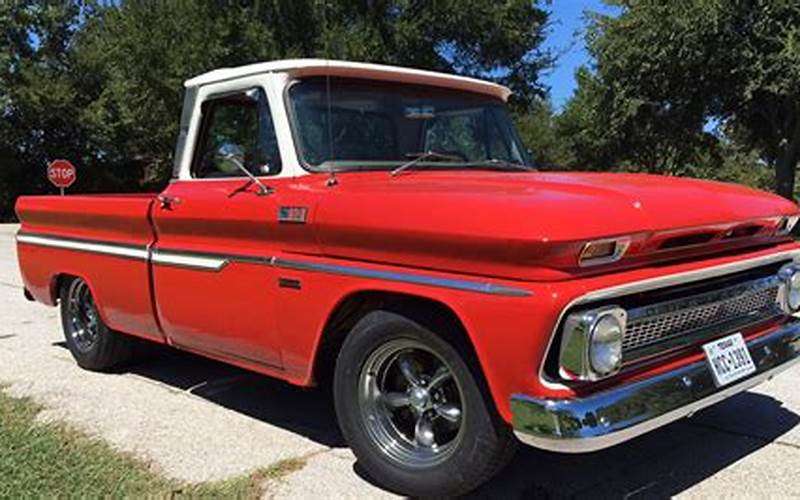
210, 262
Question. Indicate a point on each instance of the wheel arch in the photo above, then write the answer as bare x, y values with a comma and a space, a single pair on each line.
59, 279
434, 314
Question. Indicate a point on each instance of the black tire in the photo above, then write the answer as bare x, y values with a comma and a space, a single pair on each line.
483, 442
103, 349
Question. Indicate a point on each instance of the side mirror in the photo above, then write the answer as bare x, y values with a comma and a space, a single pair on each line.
229, 158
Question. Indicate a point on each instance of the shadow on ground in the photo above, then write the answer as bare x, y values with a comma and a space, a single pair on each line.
660, 464
308, 412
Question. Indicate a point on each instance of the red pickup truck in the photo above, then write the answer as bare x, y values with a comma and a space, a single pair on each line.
382, 228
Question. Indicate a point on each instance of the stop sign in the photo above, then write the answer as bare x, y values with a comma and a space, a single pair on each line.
61, 173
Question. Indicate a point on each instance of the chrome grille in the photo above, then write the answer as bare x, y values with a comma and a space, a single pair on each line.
733, 307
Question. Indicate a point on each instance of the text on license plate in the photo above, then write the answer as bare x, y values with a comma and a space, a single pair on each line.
729, 359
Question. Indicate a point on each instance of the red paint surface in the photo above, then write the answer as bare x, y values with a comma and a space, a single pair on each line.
516, 229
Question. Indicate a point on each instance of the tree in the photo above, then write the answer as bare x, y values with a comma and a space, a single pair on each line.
101, 83
538, 128
134, 119
38, 99
666, 68
495, 40
581, 128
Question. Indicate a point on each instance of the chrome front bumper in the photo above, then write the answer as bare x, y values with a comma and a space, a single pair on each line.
622, 413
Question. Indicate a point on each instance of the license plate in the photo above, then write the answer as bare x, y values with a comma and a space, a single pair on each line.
729, 359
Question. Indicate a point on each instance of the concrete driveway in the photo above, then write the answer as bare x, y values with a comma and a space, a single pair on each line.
196, 420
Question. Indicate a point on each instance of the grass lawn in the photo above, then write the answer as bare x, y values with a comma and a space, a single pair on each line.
50, 459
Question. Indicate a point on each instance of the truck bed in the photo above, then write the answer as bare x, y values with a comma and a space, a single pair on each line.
120, 223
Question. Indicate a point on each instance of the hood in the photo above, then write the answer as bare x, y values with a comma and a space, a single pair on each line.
533, 225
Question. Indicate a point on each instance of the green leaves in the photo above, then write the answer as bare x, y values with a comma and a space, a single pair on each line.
665, 69
101, 83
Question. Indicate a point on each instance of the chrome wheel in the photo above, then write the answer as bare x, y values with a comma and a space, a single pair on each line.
411, 403
82, 324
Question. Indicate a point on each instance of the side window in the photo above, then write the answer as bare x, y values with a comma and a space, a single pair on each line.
237, 131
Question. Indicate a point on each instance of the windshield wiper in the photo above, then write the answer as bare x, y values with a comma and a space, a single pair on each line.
501, 163
428, 155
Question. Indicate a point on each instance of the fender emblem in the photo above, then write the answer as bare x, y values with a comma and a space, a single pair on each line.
292, 215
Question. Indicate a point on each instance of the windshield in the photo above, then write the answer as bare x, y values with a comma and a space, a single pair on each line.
383, 125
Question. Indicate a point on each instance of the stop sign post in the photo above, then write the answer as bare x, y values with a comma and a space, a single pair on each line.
62, 174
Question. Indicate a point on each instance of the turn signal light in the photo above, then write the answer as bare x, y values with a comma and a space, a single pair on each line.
603, 251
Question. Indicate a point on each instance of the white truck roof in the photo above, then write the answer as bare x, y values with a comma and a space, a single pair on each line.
297, 68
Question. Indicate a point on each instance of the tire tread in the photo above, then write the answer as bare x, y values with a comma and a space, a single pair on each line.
113, 350
461, 474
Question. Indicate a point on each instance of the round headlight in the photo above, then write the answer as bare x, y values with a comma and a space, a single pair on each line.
793, 292
605, 346
790, 288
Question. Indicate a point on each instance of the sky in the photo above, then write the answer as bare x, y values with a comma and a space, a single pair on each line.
565, 39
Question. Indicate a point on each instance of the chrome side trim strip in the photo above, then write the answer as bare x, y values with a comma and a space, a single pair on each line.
203, 261
216, 262
190, 261
622, 413
659, 282
417, 279
105, 248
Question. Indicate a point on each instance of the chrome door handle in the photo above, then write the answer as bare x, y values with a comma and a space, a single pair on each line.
168, 202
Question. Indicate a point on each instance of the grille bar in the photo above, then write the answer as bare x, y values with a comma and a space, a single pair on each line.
691, 318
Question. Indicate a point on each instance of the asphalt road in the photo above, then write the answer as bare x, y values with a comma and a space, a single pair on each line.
196, 420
